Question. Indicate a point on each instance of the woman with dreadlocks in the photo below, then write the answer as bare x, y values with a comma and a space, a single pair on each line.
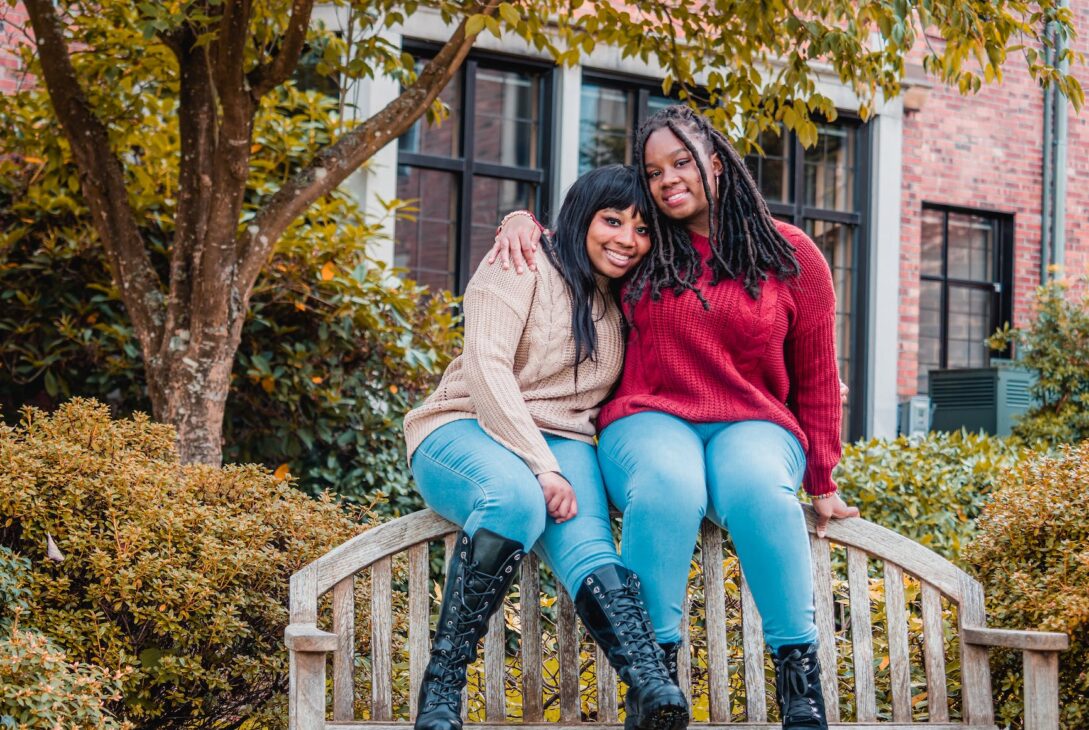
729, 398
506, 442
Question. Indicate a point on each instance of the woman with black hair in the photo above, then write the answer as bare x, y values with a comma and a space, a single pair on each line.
504, 447
730, 397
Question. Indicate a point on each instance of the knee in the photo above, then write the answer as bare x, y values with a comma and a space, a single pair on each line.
516, 503
658, 494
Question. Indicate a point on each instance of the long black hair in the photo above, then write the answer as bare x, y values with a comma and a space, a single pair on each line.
745, 243
612, 186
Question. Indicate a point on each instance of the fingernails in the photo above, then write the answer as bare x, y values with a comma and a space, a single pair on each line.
518, 269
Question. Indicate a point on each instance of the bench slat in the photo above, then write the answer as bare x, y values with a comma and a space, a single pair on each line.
419, 622
752, 640
899, 656
975, 672
861, 635
826, 624
344, 657
495, 702
684, 652
530, 609
567, 634
934, 654
714, 591
381, 640
606, 687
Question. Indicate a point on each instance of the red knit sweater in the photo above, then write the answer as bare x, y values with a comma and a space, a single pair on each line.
769, 359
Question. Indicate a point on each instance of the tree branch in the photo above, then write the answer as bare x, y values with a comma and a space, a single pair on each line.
268, 76
333, 164
197, 120
102, 178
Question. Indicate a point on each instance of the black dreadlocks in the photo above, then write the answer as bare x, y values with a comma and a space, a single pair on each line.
745, 243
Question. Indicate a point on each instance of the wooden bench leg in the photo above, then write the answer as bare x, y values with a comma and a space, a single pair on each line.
1041, 690
307, 698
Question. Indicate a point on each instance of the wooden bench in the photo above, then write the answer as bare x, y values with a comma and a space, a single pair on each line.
873, 587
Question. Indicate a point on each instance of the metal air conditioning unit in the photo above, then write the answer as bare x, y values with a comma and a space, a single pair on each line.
981, 399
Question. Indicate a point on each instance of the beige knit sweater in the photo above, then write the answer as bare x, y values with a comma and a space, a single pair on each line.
515, 375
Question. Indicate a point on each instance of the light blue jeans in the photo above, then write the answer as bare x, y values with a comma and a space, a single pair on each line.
470, 479
664, 472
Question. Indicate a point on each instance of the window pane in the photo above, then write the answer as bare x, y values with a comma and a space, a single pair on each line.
971, 247
505, 125
930, 260
657, 101
772, 171
605, 126
443, 138
969, 324
426, 246
930, 331
836, 242
492, 198
830, 169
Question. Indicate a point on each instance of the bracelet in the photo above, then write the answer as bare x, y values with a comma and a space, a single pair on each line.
826, 495
514, 213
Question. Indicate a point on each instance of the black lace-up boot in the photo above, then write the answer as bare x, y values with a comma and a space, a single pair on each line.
798, 687
671, 649
609, 604
477, 580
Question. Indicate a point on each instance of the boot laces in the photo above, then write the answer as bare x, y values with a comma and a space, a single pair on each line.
633, 629
794, 688
450, 678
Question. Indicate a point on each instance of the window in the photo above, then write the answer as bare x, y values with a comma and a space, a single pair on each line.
488, 157
964, 286
821, 190
610, 111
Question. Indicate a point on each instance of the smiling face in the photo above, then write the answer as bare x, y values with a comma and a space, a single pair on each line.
616, 241
675, 182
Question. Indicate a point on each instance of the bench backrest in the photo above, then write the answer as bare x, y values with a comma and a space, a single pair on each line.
873, 587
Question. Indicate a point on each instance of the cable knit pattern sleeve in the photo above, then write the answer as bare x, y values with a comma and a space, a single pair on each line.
497, 307
812, 365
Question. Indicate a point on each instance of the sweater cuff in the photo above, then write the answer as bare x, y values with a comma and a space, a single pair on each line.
818, 481
541, 465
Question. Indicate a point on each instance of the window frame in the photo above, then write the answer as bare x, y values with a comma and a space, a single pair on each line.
466, 167
641, 86
1002, 280
797, 213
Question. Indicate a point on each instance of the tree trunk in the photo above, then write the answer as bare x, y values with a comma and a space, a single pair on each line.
189, 392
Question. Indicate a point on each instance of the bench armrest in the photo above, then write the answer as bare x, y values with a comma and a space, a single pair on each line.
1041, 666
307, 637
1012, 639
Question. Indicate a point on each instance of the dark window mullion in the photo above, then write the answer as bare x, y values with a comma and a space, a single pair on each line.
797, 162
503, 172
431, 162
944, 335
834, 216
468, 150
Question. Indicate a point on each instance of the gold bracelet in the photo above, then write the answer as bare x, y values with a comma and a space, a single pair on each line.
514, 213
826, 495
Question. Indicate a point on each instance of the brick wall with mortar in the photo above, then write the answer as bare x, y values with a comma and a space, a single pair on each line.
986, 152
13, 22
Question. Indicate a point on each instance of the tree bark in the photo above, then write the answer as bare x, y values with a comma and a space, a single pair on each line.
189, 330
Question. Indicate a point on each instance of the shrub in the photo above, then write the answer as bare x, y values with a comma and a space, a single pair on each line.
1032, 555
41, 688
930, 489
1056, 345
177, 575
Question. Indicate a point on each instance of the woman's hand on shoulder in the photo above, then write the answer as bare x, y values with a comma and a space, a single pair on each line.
516, 241
559, 496
830, 508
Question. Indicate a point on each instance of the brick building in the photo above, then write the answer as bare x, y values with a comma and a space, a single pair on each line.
12, 22
931, 214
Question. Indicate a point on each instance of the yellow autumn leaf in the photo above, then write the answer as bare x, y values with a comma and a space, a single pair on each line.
268, 384
316, 380
884, 663
328, 271
33, 160
301, 306
281, 472
393, 389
